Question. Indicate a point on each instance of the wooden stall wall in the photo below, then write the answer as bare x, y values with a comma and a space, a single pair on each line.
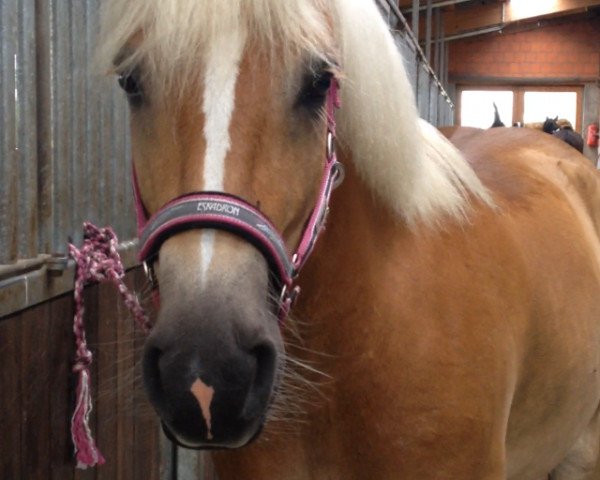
36, 354
37, 386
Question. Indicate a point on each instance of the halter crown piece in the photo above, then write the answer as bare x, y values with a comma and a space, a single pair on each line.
223, 211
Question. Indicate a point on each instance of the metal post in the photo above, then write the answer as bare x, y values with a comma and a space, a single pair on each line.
446, 57
415, 18
428, 32
438, 42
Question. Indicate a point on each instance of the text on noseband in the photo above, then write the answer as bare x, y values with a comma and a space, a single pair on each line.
218, 208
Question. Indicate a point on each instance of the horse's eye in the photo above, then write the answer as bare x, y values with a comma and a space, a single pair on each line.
130, 84
315, 89
321, 83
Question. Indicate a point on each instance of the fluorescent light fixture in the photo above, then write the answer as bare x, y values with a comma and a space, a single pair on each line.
521, 9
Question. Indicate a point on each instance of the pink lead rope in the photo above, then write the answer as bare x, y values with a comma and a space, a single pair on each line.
96, 261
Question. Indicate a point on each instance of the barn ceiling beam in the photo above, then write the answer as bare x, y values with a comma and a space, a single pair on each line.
477, 19
406, 7
472, 19
468, 21
473, 33
516, 10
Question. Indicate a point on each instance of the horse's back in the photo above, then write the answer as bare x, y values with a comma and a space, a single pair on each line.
516, 163
548, 220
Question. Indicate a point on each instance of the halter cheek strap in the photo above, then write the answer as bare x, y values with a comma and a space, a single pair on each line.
223, 211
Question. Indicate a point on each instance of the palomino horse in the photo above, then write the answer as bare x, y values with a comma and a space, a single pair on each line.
450, 313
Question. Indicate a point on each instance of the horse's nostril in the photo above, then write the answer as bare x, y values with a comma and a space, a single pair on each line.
262, 385
265, 363
152, 376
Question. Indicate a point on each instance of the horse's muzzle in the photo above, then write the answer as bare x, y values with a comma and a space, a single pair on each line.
211, 378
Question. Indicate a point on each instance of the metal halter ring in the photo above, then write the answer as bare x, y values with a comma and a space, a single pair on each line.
150, 274
330, 145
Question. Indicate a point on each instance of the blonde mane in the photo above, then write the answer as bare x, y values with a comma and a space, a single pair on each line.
406, 162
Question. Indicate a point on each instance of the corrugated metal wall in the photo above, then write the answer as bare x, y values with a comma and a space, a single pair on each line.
64, 149
433, 101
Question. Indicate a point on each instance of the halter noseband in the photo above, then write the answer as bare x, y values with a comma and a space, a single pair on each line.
223, 211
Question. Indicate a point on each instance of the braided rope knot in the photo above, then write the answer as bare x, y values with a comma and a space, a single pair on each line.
97, 260
84, 360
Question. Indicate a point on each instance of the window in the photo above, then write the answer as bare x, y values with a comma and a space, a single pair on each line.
528, 104
539, 105
477, 107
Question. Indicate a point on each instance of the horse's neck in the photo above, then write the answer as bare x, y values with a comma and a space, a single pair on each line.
358, 226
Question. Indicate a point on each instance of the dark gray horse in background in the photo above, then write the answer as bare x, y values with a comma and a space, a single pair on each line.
564, 132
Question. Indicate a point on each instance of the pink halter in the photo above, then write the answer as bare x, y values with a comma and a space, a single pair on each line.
219, 210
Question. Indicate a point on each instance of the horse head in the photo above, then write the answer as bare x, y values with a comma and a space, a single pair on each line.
550, 124
215, 107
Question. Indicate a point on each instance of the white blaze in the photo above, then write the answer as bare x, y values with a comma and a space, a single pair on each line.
204, 394
221, 73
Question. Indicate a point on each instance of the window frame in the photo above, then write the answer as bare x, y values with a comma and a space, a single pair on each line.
519, 98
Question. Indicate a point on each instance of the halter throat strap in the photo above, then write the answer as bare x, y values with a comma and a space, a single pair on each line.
224, 211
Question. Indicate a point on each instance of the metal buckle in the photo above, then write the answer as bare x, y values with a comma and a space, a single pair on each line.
289, 295
150, 274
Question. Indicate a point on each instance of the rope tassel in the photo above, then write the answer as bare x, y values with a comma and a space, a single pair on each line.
87, 453
96, 261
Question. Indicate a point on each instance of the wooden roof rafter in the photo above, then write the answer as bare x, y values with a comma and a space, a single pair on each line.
465, 18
